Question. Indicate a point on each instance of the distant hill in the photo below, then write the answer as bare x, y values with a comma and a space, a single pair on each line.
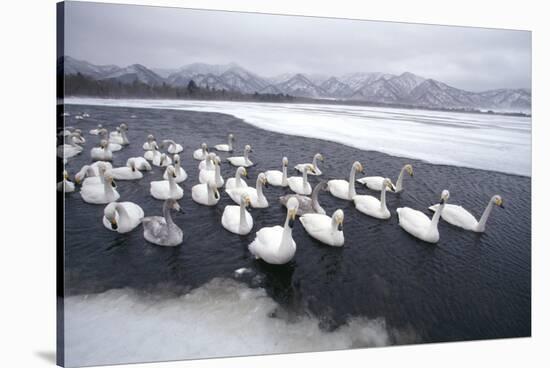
405, 89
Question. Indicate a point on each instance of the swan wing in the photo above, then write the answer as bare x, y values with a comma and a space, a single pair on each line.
372, 182
457, 216
274, 177
315, 223
338, 188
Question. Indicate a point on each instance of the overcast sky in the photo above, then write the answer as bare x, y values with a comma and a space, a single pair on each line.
470, 58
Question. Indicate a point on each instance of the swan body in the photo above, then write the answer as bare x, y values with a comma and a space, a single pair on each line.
377, 182
69, 149
458, 216
275, 244
345, 189
173, 147
418, 224
307, 205
112, 146
127, 173
150, 144
206, 194
77, 137
256, 196
102, 153
214, 176
101, 193
119, 136
140, 163
201, 153
165, 189
328, 230
300, 185
237, 181
152, 154
96, 130
372, 206
181, 175
243, 160
316, 171
278, 178
226, 147
237, 219
162, 230
122, 217
92, 174
65, 185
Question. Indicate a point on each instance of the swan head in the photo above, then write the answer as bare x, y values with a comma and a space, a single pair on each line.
231, 136
292, 207
409, 169
78, 132
123, 126
176, 159
497, 200
102, 132
204, 147
338, 218
173, 204
324, 185
171, 171
132, 164
358, 167
242, 172
217, 160
388, 184
247, 148
117, 129
285, 162
162, 158
310, 169
103, 143
99, 126
109, 179
262, 179
150, 138
319, 157
79, 176
444, 196
110, 214
245, 200
65, 175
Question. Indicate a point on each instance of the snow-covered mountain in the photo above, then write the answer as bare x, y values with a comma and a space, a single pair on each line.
404, 89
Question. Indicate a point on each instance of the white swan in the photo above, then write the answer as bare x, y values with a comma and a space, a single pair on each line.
102, 153
126, 173
181, 175
300, 185
243, 160
65, 185
92, 174
307, 205
458, 216
377, 182
119, 136
162, 230
345, 189
150, 143
200, 154
113, 147
69, 148
278, 178
206, 194
101, 193
372, 206
237, 181
77, 137
140, 163
173, 147
208, 162
164, 189
122, 217
237, 219
213, 176
85, 115
275, 244
418, 224
161, 160
153, 153
256, 195
226, 147
316, 170
328, 230
96, 130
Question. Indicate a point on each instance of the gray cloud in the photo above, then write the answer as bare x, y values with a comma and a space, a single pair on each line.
470, 58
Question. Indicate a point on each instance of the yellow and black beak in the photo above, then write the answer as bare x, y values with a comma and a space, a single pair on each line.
216, 194
114, 225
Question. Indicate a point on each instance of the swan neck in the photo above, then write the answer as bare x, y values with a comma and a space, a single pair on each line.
485, 216
314, 163
315, 200
167, 215
171, 184
351, 190
217, 175
287, 233
122, 213
259, 188
435, 218
285, 176
383, 198
229, 143
399, 183
242, 217
304, 179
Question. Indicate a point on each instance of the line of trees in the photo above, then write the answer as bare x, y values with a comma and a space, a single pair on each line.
81, 85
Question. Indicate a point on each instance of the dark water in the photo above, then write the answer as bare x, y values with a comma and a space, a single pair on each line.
468, 286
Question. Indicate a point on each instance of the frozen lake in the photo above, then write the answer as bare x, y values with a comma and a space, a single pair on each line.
481, 141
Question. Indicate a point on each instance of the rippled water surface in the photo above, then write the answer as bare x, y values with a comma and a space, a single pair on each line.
468, 286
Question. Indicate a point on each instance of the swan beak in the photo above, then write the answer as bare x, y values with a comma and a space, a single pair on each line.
442, 201
340, 226
174, 174
246, 173
114, 225
113, 184
500, 203
77, 181
392, 187
264, 182
216, 194
177, 207
133, 168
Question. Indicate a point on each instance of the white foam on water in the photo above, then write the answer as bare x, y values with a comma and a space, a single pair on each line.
221, 318
482, 141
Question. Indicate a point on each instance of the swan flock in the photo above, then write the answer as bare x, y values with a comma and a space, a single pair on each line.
273, 244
